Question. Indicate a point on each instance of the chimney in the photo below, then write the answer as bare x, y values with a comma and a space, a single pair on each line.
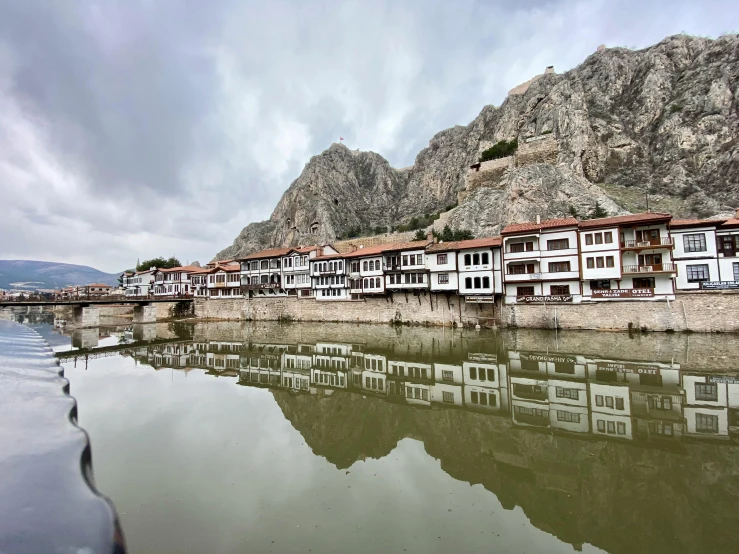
538, 219
736, 213
430, 237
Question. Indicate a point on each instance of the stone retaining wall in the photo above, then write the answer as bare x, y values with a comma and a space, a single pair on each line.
705, 311
696, 311
426, 308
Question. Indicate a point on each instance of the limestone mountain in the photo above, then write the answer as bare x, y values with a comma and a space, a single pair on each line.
662, 120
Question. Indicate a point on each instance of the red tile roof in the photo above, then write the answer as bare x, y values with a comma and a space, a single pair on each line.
464, 244
413, 245
368, 251
269, 253
546, 224
306, 249
733, 222
184, 269
651, 217
675, 223
99, 285
329, 257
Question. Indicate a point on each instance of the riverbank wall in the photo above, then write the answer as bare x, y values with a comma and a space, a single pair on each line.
703, 311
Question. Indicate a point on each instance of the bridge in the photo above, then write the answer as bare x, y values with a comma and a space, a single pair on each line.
86, 310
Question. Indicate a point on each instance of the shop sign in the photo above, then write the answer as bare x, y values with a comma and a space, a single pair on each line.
479, 299
548, 358
723, 380
623, 293
623, 367
719, 285
529, 299
482, 357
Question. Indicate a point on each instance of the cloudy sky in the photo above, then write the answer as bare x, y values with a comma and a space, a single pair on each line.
138, 128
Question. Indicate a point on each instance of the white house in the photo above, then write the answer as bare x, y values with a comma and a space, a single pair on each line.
627, 258
261, 273
405, 266
366, 275
222, 281
541, 261
139, 283
174, 281
329, 275
727, 237
472, 268
296, 278
695, 254
711, 405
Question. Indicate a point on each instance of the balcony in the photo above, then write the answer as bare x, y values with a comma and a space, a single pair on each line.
259, 286
653, 268
518, 277
391, 267
662, 242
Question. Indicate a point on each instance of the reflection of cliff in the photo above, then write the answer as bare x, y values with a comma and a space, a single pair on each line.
616, 496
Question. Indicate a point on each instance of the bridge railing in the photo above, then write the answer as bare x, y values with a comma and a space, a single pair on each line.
90, 298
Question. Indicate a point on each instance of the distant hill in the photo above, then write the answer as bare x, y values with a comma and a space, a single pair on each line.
31, 275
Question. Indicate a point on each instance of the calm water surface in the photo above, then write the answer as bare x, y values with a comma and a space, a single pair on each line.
339, 438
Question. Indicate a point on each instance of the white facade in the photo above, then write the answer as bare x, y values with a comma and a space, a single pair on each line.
139, 283
173, 282
695, 256
405, 269
222, 282
727, 247
442, 266
542, 262
330, 279
261, 273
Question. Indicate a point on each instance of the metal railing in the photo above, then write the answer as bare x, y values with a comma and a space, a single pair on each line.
649, 268
649, 243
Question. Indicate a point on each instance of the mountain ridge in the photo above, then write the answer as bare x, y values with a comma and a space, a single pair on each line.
34, 274
662, 120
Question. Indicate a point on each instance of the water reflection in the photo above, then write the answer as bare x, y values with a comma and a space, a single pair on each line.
632, 400
623, 452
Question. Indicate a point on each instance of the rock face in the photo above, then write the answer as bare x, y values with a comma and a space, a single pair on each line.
664, 119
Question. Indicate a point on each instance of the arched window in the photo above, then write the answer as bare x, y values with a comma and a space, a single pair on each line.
377, 283
365, 265
246, 280
340, 265
366, 281
264, 279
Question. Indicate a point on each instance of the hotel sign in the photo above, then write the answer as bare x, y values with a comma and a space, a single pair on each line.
622, 293
623, 367
479, 299
719, 285
723, 380
547, 358
529, 299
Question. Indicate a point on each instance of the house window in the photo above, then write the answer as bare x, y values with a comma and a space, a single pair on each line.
611, 427
697, 273
609, 402
477, 283
475, 259
559, 290
695, 243
588, 239
598, 400
598, 238
405, 260
514, 247
568, 417
706, 391
558, 244
599, 262
609, 261
473, 397
706, 423
467, 259
601, 426
486, 282
608, 237
468, 282
590, 262
447, 375
644, 283
473, 373
621, 427
600, 285
443, 278
441, 259
735, 265
558, 267
447, 397
572, 394
524, 291
619, 403
485, 258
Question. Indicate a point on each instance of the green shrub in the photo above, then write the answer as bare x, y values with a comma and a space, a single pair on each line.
420, 235
499, 150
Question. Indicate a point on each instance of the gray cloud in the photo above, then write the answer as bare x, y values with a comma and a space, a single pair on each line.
145, 128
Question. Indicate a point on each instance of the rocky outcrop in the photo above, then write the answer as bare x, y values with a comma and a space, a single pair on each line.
664, 119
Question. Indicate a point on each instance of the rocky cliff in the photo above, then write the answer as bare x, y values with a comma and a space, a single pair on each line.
663, 120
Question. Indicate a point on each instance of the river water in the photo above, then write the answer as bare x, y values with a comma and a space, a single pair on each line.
236, 437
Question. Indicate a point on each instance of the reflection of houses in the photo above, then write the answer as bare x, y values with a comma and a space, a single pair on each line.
711, 405
447, 388
485, 383
331, 365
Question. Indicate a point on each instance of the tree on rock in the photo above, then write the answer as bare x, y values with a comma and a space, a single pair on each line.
159, 263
